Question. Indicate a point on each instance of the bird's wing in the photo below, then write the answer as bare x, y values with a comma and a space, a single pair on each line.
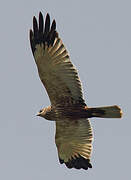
74, 143
55, 69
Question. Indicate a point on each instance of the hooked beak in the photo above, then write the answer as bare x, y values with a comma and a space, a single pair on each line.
38, 114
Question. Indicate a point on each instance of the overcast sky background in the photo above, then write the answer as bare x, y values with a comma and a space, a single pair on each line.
97, 35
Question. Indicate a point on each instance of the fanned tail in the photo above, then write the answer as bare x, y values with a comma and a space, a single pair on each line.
106, 112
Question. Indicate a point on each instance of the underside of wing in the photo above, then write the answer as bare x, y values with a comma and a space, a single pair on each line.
74, 143
55, 69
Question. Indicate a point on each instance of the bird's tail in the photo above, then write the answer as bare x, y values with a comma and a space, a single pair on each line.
106, 112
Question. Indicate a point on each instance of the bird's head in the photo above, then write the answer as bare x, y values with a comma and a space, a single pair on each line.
42, 112
45, 113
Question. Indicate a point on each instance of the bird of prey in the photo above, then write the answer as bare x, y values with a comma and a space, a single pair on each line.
68, 108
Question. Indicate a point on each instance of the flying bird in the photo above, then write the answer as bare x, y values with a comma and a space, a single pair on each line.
68, 108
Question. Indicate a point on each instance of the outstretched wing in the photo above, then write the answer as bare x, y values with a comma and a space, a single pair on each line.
74, 143
55, 69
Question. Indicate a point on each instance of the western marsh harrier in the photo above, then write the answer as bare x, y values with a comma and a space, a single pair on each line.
68, 108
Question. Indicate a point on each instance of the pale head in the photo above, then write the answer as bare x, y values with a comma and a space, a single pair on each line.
46, 113
41, 113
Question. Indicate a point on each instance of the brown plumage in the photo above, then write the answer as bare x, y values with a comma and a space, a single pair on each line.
68, 108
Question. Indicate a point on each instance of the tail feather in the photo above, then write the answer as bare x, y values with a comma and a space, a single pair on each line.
106, 112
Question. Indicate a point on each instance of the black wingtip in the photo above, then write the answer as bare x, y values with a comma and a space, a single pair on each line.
40, 14
31, 40
41, 23
47, 25
42, 33
31, 34
77, 163
35, 26
53, 26
61, 161
47, 16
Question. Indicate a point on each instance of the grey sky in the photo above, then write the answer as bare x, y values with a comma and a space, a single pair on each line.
97, 35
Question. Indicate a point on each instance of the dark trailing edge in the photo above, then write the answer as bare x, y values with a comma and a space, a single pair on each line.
77, 163
42, 33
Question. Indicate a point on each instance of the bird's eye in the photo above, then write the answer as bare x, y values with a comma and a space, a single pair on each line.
40, 111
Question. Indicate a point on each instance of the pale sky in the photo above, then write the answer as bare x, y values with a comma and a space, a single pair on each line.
97, 35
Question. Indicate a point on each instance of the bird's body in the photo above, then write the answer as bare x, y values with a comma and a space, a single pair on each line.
68, 108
